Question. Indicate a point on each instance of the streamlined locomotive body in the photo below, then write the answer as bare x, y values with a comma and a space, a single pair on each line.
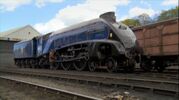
99, 43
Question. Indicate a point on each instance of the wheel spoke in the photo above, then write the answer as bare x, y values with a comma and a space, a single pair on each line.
80, 65
92, 66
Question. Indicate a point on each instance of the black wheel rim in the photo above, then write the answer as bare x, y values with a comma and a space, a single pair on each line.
111, 65
80, 65
66, 65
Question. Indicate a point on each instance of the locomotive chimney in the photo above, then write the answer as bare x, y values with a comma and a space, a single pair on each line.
108, 16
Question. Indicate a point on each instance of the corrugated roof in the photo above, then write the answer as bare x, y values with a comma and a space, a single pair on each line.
2, 34
10, 31
18, 33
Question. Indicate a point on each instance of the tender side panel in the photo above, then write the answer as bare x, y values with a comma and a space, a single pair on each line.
24, 50
159, 39
170, 28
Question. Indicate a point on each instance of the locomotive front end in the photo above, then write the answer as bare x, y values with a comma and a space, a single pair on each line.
120, 32
124, 37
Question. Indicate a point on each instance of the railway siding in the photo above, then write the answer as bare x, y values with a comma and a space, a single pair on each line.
156, 86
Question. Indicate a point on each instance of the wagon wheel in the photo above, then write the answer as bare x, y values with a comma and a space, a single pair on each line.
33, 63
111, 64
160, 69
19, 64
24, 64
40, 63
28, 64
92, 65
66, 65
160, 66
80, 64
146, 66
16, 63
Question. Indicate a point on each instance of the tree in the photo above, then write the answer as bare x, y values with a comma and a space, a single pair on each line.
144, 19
165, 15
131, 22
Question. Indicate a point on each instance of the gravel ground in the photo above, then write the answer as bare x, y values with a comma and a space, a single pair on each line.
73, 87
9, 91
91, 90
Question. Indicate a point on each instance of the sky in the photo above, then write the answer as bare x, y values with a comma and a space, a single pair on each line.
51, 15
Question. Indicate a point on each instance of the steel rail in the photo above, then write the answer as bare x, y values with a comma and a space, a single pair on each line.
124, 78
154, 76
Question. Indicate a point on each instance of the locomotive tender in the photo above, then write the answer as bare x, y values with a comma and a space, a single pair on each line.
98, 43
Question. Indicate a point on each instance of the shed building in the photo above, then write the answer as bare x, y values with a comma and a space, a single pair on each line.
23, 33
6, 52
7, 40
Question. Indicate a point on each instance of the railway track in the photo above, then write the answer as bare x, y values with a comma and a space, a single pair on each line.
155, 85
141, 75
67, 94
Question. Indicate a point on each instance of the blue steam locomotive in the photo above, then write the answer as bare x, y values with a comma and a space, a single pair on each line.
100, 43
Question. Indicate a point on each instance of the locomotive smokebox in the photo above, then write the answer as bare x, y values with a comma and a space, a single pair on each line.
108, 16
